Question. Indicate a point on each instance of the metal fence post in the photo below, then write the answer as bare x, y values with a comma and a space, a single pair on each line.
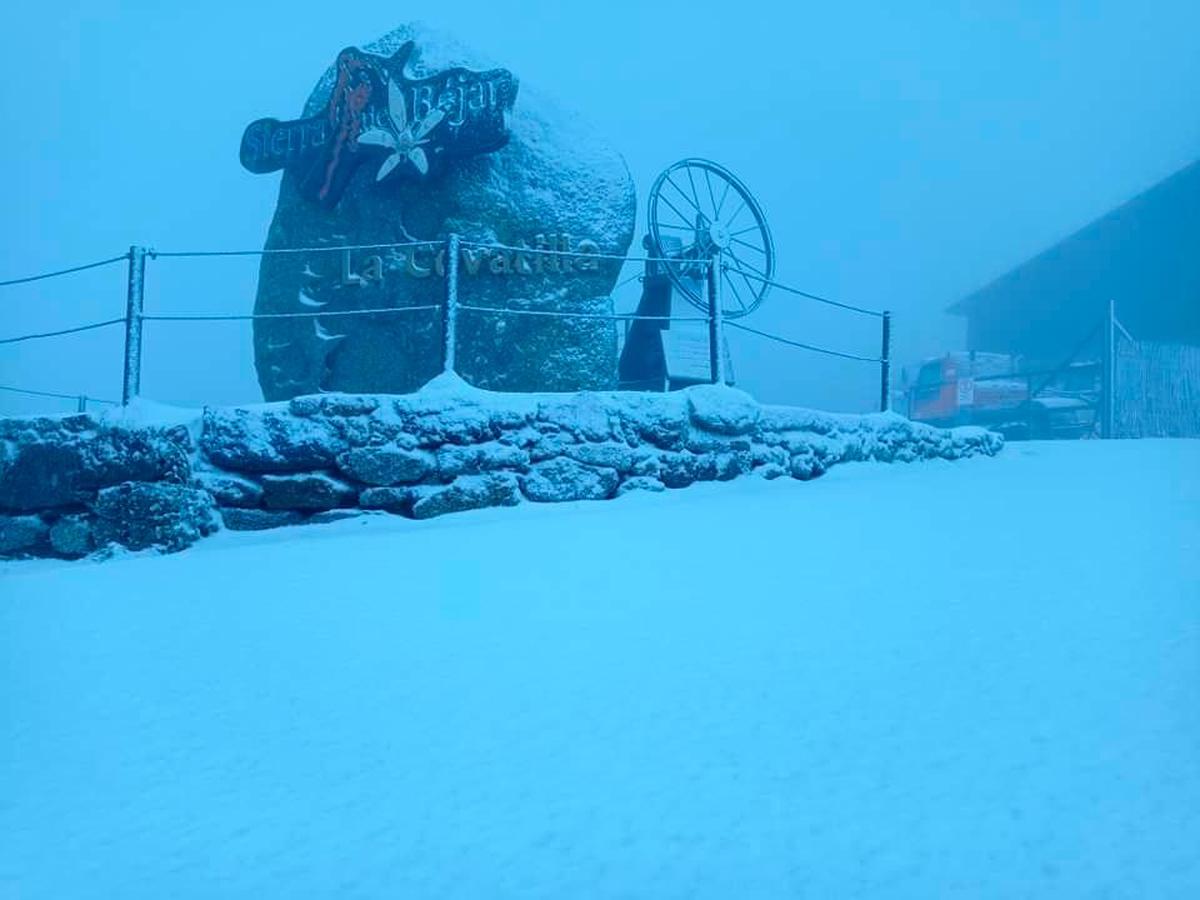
134, 302
716, 336
450, 309
885, 365
1109, 400
81, 405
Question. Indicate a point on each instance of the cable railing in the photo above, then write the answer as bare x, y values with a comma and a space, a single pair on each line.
449, 307
39, 335
316, 314
283, 251
69, 271
81, 399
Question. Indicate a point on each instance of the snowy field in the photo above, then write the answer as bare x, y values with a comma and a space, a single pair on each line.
970, 679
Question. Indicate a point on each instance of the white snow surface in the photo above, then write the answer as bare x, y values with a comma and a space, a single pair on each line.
971, 679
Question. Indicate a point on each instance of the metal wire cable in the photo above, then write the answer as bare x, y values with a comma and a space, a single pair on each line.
298, 315
799, 293
57, 396
611, 317
176, 254
538, 251
50, 334
801, 346
55, 274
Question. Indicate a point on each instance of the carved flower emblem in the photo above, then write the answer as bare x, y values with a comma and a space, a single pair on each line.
405, 140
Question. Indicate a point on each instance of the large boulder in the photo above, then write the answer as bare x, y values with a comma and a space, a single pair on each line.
555, 184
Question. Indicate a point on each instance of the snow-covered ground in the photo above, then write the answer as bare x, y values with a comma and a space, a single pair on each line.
969, 679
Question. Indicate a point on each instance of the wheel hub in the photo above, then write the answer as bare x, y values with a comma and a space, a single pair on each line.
719, 236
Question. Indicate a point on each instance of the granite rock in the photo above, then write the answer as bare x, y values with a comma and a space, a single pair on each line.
139, 515
558, 480
556, 181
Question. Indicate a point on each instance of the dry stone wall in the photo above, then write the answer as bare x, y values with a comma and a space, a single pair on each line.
75, 485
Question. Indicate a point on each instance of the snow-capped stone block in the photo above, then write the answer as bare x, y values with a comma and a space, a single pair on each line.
64, 462
137, 515
333, 405
620, 457
231, 490
306, 491
558, 480
22, 534
388, 499
585, 416
464, 493
257, 440
723, 410
640, 483
387, 465
456, 422
660, 420
550, 445
453, 460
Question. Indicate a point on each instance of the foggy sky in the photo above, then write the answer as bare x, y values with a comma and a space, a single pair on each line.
905, 154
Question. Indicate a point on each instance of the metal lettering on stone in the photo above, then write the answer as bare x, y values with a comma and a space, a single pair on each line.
376, 115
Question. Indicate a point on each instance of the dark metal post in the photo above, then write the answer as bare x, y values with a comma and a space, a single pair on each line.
450, 308
716, 336
1109, 399
82, 405
134, 303
885, 365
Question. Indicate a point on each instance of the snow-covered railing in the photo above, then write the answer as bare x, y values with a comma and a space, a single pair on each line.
450, 307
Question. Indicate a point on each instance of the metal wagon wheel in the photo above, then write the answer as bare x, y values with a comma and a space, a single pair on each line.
707, 208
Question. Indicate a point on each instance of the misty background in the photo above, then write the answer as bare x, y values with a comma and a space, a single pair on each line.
903, 157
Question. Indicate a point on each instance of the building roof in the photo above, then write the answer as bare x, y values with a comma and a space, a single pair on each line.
1144, 252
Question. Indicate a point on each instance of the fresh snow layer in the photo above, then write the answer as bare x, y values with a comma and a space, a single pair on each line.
972, 679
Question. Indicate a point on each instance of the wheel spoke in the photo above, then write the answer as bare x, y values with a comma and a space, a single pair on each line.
695, 193
742, 265
737, 212
686, 198
754, 247
676, 208
711, 196
736, 293
755, 292
754, 288
754, 227
724, 195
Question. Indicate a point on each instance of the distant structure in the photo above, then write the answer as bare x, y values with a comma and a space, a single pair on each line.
1144, 256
